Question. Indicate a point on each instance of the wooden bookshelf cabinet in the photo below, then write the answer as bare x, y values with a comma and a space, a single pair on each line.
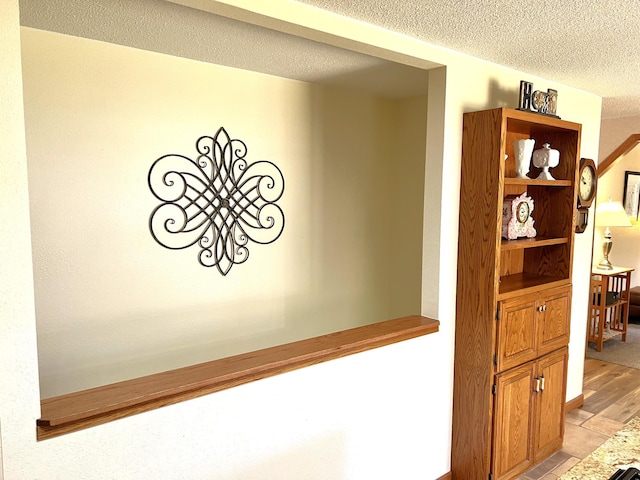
513, 298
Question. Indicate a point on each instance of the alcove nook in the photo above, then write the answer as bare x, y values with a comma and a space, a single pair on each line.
109, 89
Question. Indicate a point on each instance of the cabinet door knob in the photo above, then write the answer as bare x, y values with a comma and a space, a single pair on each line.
541, 308
542, 384
537, 389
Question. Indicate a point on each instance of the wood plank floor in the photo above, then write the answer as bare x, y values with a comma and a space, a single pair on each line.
612, 398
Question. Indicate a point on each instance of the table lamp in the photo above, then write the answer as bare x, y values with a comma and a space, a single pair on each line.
610, 214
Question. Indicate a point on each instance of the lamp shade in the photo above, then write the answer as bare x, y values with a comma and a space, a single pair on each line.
611, 214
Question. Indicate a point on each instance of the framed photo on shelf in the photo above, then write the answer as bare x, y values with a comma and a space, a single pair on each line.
631, 195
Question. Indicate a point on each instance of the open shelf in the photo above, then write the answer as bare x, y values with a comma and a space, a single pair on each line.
616, 303
522, 283
534, 182
521, 243
609, 334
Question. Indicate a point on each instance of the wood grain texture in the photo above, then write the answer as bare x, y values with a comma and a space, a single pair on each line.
539, 241
513, 452
529, 414
626, 407
533, 325
555, 321
613, 384
511, 262
517, 333
492, 269
75, 411
478, 244
549, 413
525, 283
529, 182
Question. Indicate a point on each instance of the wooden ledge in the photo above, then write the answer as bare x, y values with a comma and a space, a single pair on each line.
78, 410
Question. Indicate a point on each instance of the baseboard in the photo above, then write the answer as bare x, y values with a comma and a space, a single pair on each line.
573, 404
446, 476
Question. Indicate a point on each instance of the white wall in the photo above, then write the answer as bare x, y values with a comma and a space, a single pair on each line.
19, 394
112, 304
320, 422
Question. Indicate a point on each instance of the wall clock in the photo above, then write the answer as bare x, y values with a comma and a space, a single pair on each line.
588, 181
516, 217
582, 219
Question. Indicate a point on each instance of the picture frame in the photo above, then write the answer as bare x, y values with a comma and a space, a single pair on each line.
631, 194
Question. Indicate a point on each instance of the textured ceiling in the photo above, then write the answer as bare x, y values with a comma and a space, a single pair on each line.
592, 45
165, 27
587, 44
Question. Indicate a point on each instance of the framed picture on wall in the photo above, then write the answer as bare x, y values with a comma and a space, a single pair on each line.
631, 195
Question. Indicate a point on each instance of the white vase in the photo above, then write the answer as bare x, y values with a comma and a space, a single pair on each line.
546, 158
523, 150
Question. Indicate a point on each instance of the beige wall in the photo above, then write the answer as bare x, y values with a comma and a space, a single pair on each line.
614, 132
112, 304
380, 414
626, 250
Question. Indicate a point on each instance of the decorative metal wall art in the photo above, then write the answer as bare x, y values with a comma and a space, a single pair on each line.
217, 201
537, 101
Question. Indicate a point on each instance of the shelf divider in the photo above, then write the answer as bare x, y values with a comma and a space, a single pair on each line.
521, 243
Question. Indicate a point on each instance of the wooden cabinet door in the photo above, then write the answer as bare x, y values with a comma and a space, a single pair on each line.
516, 342
512, 435
553, 320
550, 401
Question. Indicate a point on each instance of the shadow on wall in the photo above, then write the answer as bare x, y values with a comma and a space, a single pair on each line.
177, 338
497, 96
112, 304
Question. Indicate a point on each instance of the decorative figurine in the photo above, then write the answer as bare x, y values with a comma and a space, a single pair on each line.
516, 217
546, 158
545, 103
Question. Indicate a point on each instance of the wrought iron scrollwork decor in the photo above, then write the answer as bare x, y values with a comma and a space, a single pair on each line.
217, 201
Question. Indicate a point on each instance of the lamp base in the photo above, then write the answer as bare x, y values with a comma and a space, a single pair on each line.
605, 264
607, 243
